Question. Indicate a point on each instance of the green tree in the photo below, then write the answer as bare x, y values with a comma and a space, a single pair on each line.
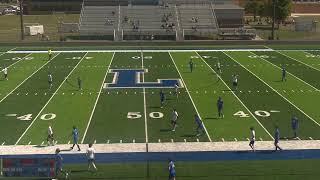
283, 9
253, 6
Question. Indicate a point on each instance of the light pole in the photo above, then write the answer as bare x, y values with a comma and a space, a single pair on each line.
274, 2
21, 19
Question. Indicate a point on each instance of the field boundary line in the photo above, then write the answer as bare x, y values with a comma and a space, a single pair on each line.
96, 102
139, 50
26, 79
49, 99
236, 96
190, 96
144, 104
274, 90
287, 72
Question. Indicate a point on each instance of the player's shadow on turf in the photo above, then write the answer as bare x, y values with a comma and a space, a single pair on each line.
165, 130
211, 118
40, 146
278, 81
189, 135
154, 107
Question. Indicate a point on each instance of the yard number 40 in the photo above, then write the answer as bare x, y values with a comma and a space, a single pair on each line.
28, 117
258, 113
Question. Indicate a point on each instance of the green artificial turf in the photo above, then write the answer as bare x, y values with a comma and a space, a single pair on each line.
224, 170
106, 115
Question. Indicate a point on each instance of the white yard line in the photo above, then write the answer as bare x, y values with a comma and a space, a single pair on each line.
298, 61
12, 49
287, 72
274, 90
312, 55
49, 100
190, 96
236, 97
95, 104
2, 53
19, 60
144, 102
26, 79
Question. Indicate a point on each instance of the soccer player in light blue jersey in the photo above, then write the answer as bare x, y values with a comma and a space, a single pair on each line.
200, 128
162, 98
295, 126
277, 139
75, 137
220, 107
172, 170
79, 83
59, 164
284, 74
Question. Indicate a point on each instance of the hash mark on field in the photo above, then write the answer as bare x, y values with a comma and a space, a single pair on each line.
3, 143
49, 100
133, 141
95, 105
172, 140
248, 139
120, 141
310, 138
222, 139
108, 142
159, 140
42, 143
185, 140
198, 140
68, 142
235, 139
29, 142
261, 139
298, 138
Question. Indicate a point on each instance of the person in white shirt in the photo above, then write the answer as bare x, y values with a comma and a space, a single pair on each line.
174, 119
176, 89
219, 67
91, 158
5, 73
252, 138
235, 82
50, 80
50, 138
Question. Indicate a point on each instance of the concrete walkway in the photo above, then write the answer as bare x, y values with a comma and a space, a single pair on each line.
161, 147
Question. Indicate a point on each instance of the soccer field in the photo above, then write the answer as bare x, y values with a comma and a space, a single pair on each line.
120, 102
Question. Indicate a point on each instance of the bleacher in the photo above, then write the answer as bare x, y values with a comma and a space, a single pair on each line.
147, 19
197, 19
98, 20
164, 19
